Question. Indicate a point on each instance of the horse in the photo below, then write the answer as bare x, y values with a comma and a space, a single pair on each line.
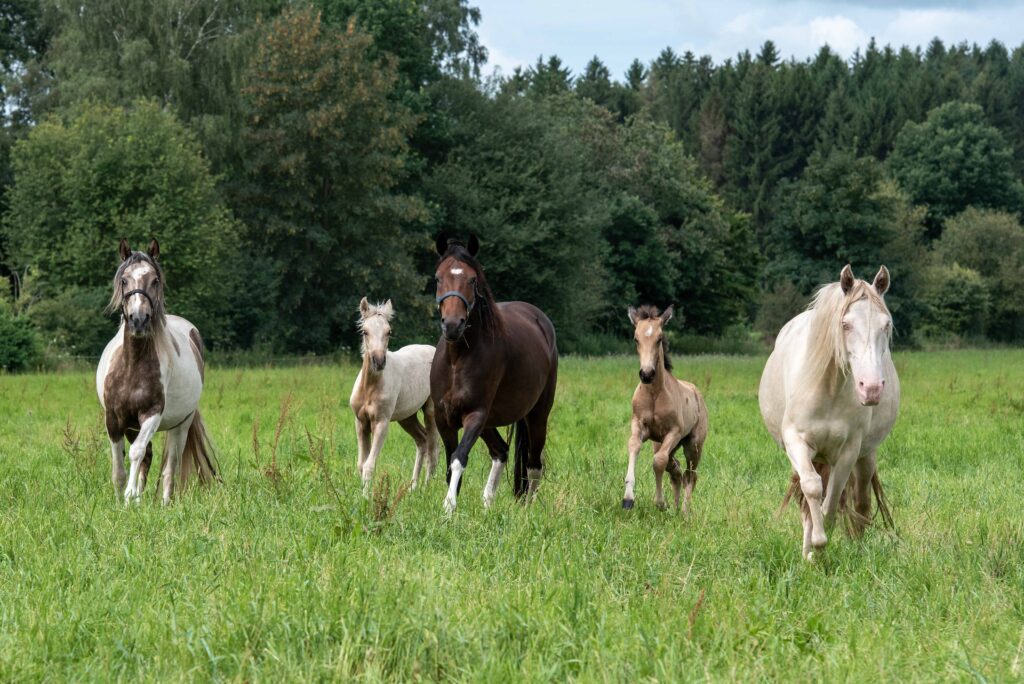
668, 411
150, 379
391, 386
496, 364
829, 396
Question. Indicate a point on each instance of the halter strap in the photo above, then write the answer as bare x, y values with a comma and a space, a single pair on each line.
456, 293
135, 292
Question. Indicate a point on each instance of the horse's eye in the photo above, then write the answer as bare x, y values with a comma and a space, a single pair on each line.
472, 281
124, 282
847, 327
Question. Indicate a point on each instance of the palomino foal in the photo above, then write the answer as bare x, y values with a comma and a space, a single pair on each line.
667, 411
391, 386
149, 379
829, 395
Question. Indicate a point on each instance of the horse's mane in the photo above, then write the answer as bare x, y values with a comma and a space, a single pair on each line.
826, 352
117, 298
647, 312
486, 306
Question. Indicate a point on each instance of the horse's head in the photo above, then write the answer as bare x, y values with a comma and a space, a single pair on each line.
139, 290
867, 328
459, 279
649, 334
375, 324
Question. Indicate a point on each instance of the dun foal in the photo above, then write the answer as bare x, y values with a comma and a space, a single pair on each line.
391, 386
667, 411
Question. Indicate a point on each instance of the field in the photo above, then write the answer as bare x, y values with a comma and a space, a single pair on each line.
284, 573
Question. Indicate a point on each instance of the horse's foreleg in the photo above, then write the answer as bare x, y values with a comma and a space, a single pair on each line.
800, 457
499, 457
472, 424
839, 475
118, 476
661, 459
147, 429
363, 442
635, 443
379, 431
692, 448
863, 471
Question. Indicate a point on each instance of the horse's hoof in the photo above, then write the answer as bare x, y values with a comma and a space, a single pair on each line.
662, 506
449, 505
627, 504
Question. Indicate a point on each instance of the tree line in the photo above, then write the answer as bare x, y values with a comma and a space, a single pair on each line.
293, 157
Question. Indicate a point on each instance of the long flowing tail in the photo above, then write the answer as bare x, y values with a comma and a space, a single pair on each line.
852, 518
198, 458
520, 435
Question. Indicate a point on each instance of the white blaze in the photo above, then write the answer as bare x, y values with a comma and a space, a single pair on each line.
456, 271
650, 331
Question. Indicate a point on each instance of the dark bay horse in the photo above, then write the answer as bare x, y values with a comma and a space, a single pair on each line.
496, 364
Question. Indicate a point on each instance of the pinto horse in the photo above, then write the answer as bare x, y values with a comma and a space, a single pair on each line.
149, 379
496, 364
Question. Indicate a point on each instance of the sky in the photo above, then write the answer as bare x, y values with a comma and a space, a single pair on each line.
516, 32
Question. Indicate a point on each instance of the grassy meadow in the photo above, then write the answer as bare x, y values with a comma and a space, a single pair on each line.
285, 573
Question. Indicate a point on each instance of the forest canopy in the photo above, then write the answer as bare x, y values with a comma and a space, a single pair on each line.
302, 155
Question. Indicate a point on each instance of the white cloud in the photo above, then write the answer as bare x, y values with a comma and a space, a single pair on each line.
840, 33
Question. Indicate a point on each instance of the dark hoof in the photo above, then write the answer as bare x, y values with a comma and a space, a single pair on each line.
627, 504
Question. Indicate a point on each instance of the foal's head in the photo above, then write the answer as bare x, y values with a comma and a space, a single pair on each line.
461, 287
650, 339
139, 290
375, 324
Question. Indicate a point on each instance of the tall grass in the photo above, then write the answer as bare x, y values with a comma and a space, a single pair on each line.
284, 572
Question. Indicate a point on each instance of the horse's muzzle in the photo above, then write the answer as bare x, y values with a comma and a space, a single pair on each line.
378, 363
453, 331
646, 376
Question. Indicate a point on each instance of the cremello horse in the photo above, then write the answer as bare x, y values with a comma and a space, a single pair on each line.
669, 412
149, 380
391, 386
829, 396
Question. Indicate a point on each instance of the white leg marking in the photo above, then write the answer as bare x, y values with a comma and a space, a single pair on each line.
380, 431
138, 451
533, 476
453, 487
493, 480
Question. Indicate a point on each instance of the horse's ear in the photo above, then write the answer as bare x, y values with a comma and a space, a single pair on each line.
154, 249
632, 315
441, 245
846, 279
666, 315
388, 310
473, 246
364, 307
123, 250
881, 282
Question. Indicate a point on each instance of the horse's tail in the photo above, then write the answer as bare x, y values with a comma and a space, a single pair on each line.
520, 436
882, 501
198, 459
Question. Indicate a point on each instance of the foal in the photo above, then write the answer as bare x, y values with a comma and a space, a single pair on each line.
391, 386
667, 411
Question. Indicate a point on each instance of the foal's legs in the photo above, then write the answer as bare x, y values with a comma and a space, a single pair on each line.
636, 442
363, 441
800, 457
692, 448
379, 432
137, 453
499, 457
419, 436
173, 448
661, 459
430, 426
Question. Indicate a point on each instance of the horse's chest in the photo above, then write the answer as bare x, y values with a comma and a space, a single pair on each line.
130, 393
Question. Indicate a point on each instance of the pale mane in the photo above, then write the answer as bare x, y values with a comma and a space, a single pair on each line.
826, 344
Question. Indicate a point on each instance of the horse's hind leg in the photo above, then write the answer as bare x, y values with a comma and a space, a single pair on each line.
174, 445
147, 462
419, 436
862, 472
117, 474
661, 460
675, 473
692, 448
